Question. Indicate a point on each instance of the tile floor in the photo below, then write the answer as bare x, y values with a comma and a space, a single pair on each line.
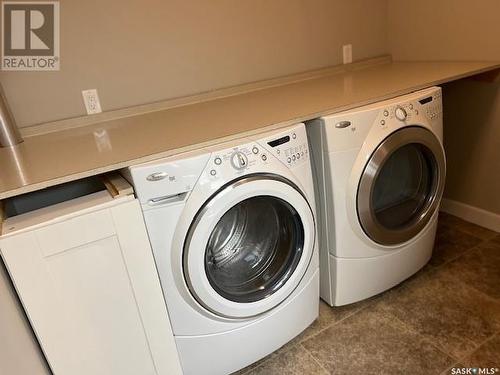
445, 316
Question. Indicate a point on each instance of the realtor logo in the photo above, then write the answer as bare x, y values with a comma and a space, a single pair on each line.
30, 35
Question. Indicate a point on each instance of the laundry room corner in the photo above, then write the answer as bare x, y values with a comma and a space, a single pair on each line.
251, 187
470, 105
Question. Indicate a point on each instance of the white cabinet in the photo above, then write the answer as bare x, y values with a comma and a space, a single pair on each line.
86, 277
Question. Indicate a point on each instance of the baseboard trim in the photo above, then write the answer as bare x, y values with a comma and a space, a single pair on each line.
472, 214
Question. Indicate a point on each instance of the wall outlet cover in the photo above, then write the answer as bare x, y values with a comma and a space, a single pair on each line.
347, 53
91, 101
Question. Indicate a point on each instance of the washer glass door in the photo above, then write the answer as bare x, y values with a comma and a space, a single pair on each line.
254, 248
401, 186
249, 246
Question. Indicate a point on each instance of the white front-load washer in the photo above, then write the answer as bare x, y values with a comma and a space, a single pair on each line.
233, 233
379, 173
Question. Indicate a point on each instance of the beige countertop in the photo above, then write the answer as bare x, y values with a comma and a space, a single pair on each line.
48, 159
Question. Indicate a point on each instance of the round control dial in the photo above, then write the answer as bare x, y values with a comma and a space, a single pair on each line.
400, 113
239, 160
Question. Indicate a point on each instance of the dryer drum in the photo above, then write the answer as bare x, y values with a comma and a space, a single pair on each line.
401, 186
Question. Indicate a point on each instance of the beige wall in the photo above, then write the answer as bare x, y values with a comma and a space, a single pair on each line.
458, 30
444, 29
137, 52
472, 143
19, 352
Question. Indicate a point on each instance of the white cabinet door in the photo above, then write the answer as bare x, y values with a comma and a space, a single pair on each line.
91, 291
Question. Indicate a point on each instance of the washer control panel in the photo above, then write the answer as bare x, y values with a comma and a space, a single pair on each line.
290, 147
231, 159
235, 160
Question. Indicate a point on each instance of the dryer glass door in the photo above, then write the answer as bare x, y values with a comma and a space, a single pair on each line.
249, 246
400, 188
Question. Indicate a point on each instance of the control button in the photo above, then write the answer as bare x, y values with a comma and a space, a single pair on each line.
400, 113
382, 122
239, 160
289, 160
255, 150
213, 172
278, 151
342, 124
416, 111
264, 157
294, 157
386, 113
411, 106
294, 135
298, 156
218, 161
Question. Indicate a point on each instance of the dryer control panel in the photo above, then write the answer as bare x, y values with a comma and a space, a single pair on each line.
350, 129
430, 106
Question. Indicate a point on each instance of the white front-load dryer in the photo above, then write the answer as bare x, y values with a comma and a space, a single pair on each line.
233, 233
379, 174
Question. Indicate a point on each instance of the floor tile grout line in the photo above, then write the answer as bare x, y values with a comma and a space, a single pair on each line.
256, 367
286, 351
476, 346
455, 258
484, 342
424, 338
472, 288
455, 227
310, 337
449, 227
459, 361
334, 323
467, 250
486, 296
267, 358
405, 324
314, 358
448, 370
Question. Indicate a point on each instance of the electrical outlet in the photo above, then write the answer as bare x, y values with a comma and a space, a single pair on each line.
91, 100
347, 53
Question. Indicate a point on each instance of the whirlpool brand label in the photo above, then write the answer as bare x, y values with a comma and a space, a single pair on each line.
30, 35
158, 176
